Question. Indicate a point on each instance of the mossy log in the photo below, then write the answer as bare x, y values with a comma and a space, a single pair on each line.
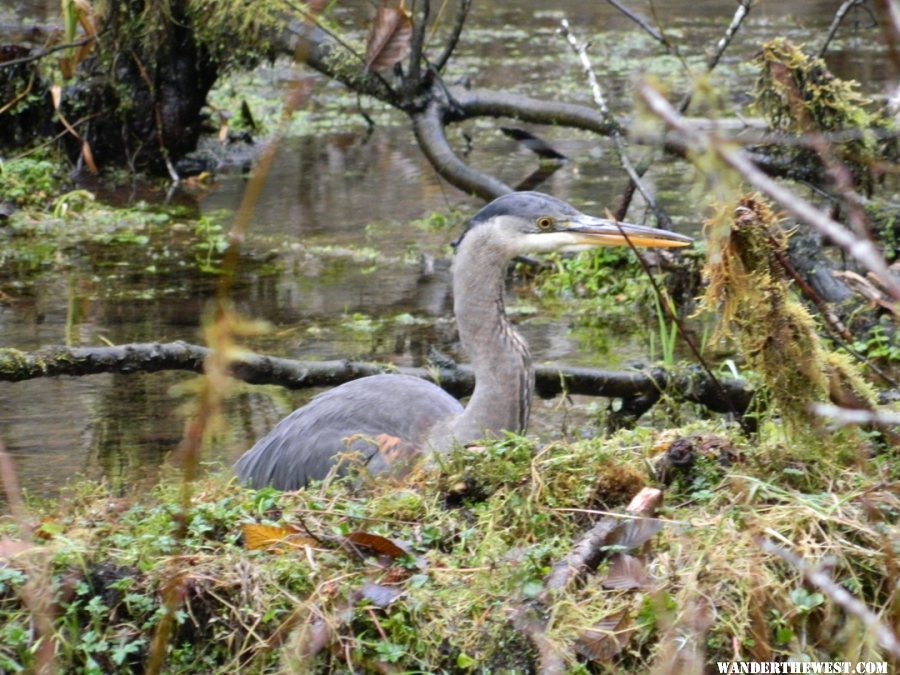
639, 389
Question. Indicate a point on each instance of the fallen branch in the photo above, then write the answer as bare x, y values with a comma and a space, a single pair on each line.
691, 385
597, 542
588, 552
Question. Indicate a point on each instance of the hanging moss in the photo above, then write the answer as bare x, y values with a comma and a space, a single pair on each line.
775, 333
798, 95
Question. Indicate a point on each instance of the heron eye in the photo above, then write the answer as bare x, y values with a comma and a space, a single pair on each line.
544, 222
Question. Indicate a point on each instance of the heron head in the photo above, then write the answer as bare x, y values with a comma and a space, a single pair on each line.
522, 223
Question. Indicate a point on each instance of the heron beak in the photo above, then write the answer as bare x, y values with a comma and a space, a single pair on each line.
592, 232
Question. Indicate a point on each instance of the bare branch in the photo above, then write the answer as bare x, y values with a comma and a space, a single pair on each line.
862, 249
642, 22
839, 15
428, 127
740, 14
616, 135
550, 381
838, 594
421, 9
847, 416
459, 21
487, 103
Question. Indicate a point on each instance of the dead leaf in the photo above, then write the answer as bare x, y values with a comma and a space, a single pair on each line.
625, 571
389, 38
378, 595
606, 638
634, 532
88, 157
377, 544
258, 536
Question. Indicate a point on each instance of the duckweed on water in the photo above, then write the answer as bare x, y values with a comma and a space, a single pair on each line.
482, 530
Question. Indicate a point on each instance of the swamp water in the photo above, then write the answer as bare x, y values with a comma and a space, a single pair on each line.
343, 256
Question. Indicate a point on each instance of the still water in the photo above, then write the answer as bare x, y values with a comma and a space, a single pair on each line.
340, 258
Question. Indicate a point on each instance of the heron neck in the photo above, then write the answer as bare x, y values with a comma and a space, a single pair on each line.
504, 377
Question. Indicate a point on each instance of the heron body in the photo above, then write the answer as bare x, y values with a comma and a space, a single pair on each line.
391, 419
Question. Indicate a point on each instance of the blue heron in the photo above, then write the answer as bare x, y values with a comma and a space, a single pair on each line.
391, 419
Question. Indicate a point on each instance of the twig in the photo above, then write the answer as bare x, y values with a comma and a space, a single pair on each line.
740, 14
839, 15
838, 594
50, 50
617, 136
591, 548
421, 10
862, 250
847, 416
459, 21
737, 20
642, 22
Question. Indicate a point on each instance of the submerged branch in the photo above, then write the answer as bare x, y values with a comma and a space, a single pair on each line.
693, 386
429, 130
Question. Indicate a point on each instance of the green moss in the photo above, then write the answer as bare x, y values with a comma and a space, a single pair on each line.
30, 182
774, 332
798, 95
484, 529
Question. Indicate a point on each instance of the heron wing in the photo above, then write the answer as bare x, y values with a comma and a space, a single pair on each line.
385, 418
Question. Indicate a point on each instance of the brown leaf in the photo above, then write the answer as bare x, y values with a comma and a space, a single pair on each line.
634, 532
389, 38
377, 544
378, 595
88, 157
258, 536
606, 638
625, 571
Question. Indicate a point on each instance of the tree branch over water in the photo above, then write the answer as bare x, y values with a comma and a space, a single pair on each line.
645, 385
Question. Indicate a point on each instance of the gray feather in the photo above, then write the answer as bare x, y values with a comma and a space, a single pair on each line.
304, 445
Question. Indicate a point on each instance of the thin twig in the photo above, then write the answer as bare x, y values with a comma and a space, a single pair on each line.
737, 20
616, 135
846, 416
740, 14
421, 9
838, 594
50, 50
839, 15
861, 249
458, 23
642, 22
682, 331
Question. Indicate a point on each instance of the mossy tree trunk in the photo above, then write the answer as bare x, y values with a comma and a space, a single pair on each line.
143, 88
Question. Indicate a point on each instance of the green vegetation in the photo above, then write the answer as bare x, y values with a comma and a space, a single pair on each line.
798, 95
30, 182
749, 290
481, 532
